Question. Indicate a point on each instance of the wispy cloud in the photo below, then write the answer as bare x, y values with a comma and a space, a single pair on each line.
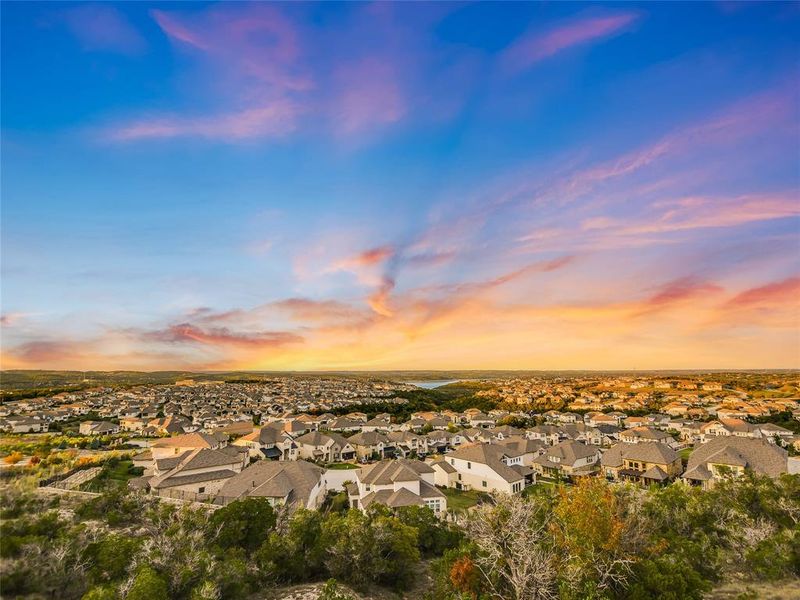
187, 332
272, 121
538, 45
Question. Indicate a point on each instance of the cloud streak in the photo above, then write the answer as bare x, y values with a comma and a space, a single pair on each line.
536, 46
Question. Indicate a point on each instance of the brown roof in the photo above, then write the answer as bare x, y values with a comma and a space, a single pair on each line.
294, 479
490, 455
187, 440
758, 454
651, 452
390, 471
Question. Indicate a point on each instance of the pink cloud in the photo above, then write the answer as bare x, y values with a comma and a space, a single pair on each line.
103, 27
272, 121
778, 292
261, 69
536, 46
368, 258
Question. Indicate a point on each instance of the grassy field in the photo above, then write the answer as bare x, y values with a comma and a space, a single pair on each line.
458, 500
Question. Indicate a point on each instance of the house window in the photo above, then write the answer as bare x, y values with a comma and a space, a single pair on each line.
469, 465
483, 483
201, 490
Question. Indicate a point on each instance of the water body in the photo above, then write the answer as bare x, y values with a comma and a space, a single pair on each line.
429, 385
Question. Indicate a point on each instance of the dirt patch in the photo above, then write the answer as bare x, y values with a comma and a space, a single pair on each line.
782, 590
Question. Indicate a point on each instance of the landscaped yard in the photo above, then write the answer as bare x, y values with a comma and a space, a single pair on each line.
458, 500
342, 466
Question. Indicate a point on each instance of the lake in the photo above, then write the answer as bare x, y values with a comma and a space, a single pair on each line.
429, 385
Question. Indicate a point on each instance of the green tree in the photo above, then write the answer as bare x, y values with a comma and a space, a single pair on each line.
434, 536
245, 524
109, 557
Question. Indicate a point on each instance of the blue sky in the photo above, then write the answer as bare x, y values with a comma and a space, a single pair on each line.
417, 185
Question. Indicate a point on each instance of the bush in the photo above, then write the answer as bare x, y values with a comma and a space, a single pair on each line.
148, 585
110, 557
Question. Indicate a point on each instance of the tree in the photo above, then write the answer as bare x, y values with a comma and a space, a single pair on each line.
514, 552
295, 552
148, 585
434, 535
245, 524
590, 530
109, 557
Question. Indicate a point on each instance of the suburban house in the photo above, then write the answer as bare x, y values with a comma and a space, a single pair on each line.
173, 446
172, 424
569, 458
549, 434
441, 441
518, 446
646, 434
295, 484
481, 420
397, 483
377, 424
405, 443
728, 456
324, 447
730, 427
645, 462
444, 474
489, 468
345, 424
772, 432
24, 425
97, 428
200, 471
269, 442
368, 444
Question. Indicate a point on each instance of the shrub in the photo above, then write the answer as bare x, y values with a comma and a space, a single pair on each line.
148, 585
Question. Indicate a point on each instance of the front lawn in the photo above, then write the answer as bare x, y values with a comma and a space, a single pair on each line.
342, 466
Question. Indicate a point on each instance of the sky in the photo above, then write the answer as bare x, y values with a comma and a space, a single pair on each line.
303, 186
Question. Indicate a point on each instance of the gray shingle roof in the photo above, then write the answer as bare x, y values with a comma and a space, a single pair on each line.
759, 455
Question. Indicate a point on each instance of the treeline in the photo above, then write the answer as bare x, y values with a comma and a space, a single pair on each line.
456, 397
592, 540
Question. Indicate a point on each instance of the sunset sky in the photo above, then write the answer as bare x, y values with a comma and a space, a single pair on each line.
416, 186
